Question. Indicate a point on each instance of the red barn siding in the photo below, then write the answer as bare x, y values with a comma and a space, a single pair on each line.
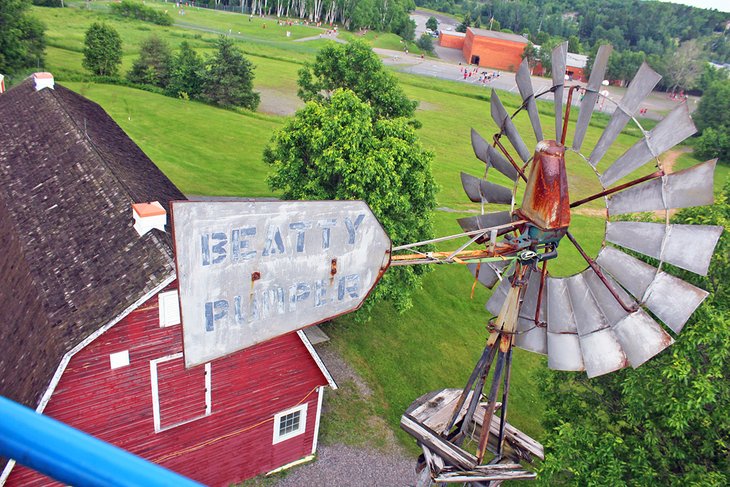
493, 53
231, 444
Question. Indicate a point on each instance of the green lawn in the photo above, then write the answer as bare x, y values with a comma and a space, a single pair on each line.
210, 151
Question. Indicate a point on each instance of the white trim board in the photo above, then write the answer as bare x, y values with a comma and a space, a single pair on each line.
317, 360
156, 393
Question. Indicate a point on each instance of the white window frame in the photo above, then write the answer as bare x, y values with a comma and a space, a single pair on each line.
169, 301
156, 393
302, 409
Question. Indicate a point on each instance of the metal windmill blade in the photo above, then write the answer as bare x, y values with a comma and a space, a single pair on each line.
504, 122
524, 84
591, 96
559, 59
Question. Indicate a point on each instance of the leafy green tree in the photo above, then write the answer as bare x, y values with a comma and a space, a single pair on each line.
432, 24
465, 23
356, 67
229, 78
341, 150
425, 43
574, 44
187, 73
532, 54
22, 38
710, 74
684, 65
713, 144
102, 50
48, 3
153, 65
714, 108
665, 423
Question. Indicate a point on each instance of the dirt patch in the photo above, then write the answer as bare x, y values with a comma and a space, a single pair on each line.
274, 102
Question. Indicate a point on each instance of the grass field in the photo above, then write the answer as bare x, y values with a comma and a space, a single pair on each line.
209, 151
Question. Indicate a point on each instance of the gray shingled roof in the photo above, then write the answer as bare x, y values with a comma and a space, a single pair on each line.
505, 36
71, 261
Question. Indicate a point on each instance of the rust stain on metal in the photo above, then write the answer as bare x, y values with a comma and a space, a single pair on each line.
546, 202
255, 276
333, 270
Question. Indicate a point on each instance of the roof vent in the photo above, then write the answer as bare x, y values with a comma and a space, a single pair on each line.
148, 216
43, 80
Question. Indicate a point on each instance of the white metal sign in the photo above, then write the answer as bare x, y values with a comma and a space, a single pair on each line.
254, 270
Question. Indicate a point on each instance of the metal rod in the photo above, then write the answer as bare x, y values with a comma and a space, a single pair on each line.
505, 396
597, 270
487, 356
463, 257
567, 114
71, 456
491, 402
497, 143
459, 235
543, 274
607, 192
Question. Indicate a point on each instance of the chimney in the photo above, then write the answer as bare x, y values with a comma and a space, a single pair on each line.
43, 80
148, 216
2, 83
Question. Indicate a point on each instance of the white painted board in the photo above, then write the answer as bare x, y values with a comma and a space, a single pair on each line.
254, 270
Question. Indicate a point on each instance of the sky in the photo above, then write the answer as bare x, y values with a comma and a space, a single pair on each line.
721, 5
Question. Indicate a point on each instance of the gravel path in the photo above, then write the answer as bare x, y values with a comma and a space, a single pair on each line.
346, 466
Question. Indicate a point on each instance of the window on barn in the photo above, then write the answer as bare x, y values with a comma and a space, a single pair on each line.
169, 308
290, 423
179, 395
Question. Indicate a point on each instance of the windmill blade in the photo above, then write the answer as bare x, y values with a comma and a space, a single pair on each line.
682, 189
641, 337
491, 156
524, 84
562, 332
672, 130
505, 124
487, 276
530, 336
671, 299
598, 71
643, 83
559, 58
486, 221
609, 306
687, 246
494, 305
481, 191
602, 352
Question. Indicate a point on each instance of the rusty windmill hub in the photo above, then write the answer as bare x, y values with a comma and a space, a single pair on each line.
618, 311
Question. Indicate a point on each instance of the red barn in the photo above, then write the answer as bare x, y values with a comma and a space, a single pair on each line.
91, 332
489, 48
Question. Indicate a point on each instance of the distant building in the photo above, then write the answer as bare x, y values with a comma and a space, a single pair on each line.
575, 67
91, 330
493, 49
452, 39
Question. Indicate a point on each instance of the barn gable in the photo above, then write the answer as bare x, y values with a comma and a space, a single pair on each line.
68, 177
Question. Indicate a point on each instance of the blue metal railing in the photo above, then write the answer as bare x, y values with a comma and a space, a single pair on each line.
73, 457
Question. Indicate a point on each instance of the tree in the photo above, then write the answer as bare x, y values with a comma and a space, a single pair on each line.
432, 24
229, 77
665, 423
531, 53
713, 144
465, 23
22, 38
356, 67
425, 43
714, 108
187, 73
685, 65
710, 74
574, 44
153, 65
102, 50
341, 150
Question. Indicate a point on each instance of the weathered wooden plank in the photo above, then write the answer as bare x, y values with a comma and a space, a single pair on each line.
483, 475
452, 454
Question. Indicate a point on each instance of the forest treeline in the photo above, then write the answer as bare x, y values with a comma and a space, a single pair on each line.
655, 29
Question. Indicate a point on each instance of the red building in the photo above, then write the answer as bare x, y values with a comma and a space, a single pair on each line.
91, 333
454, 40
492, 49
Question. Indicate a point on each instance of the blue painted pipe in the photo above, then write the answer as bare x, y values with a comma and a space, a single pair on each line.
73, 457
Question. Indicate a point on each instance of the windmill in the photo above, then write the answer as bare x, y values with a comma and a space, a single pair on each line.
615, 313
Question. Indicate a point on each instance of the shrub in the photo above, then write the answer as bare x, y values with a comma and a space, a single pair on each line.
135, 10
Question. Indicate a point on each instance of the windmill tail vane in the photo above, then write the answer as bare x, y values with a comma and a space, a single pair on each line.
600, 320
